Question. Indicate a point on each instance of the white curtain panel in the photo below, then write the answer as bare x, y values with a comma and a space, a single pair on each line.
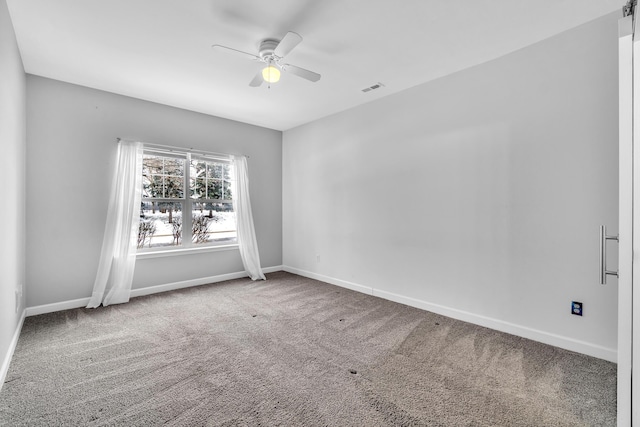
118, 257
246, 232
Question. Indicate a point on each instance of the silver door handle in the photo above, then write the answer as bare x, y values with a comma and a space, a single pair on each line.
603, 255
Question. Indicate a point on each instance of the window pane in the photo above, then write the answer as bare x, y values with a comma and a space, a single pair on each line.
227, 172
192, 187
198, 207
214, 171
214, 189
213, 222
162, 177
173, 187
173, 167
160, 224
211, 180
198, 169
227, 193
151, 165
146, 186
152, 186
198, 188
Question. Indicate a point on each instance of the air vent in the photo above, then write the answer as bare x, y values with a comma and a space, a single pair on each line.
374, 87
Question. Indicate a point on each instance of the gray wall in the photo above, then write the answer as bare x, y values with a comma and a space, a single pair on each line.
71, 133
12, 176
478, 194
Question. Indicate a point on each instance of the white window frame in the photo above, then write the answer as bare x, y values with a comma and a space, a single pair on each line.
186, 245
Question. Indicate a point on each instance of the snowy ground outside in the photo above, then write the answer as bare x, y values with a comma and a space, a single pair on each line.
220, 227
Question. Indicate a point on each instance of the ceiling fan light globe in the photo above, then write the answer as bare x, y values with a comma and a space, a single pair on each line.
270, 74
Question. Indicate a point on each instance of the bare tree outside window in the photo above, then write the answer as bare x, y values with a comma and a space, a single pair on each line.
146, 230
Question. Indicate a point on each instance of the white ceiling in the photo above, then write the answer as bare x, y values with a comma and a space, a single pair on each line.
160, 50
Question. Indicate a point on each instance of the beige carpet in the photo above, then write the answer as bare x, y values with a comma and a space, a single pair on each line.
292, 352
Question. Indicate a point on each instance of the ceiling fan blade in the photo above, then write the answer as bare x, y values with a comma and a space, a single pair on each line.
286, 45
257, 80
236, 51
301, 72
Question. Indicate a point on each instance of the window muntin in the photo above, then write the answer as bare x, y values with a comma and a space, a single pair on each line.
170, 220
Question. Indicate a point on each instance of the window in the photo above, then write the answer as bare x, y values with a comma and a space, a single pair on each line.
187, 201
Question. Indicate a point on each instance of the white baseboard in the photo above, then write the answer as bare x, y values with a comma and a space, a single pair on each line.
82, 302
186, 284
502, 326
196, 282
488, 322
57, 306
4, 369
342, 283
272, 269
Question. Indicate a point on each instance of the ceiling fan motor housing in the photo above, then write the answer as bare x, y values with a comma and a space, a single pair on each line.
267, 47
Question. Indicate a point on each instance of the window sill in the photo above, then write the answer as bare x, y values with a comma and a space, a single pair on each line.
185, 251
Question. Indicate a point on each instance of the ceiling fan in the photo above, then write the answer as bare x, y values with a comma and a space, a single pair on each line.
272, 53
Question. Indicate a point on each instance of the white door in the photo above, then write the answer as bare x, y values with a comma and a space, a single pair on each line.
629, 222
635, 335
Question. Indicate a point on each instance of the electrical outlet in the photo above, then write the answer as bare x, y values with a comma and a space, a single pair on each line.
317, 258
18, 298
576, 308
